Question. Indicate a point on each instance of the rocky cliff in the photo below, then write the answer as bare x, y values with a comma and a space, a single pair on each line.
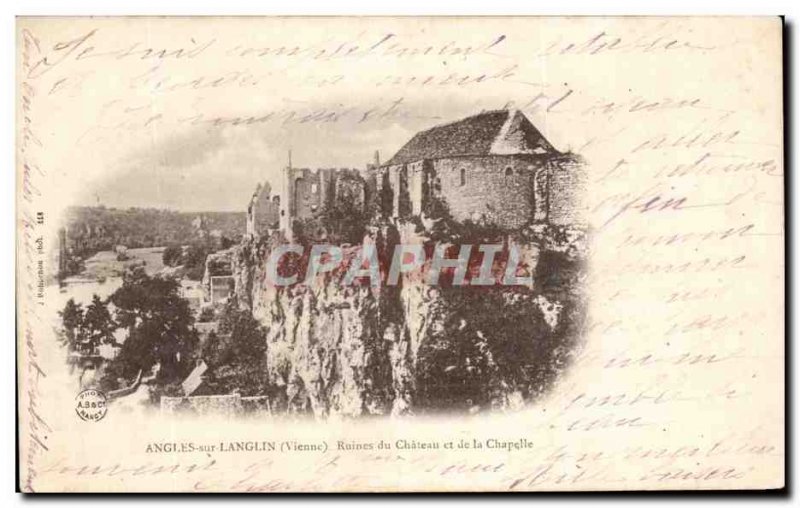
413, 348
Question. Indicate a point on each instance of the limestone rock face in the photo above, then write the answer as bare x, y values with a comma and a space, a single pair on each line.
325, 343
335, 350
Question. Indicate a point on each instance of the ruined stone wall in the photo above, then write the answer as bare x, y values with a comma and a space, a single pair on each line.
226, 405
348, 186
263, 212
498, 189
567, 194
509, 191
371, 192
306, 192
384, 193
267, 213
419, 175
309, 191
399, 182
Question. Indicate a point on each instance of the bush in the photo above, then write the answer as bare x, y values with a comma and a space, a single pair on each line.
493, 342
237, 354
160, 324
172, 256
206, 315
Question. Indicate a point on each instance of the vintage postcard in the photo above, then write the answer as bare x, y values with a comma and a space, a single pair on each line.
399, 254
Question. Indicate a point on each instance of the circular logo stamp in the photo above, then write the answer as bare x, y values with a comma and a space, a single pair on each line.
91, 405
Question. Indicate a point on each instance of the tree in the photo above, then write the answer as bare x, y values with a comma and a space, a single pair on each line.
160, 323
479, 355
72, 322
226, 243
237, 355
98, 326
172, 255
249, 342
195, 261
344, 218
206, 315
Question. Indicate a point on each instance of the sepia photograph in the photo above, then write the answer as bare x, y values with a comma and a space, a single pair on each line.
400, 254
181, 311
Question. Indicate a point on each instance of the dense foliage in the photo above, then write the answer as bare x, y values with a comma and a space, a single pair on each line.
161, 333
94, 229
480, 354
159, 323
236, 354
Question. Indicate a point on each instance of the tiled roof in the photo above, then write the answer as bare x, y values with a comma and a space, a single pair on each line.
500, 132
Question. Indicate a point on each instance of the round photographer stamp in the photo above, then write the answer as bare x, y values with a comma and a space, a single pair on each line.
91, 405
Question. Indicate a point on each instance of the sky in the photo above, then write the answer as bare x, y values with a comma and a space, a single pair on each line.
158, 117
216, 168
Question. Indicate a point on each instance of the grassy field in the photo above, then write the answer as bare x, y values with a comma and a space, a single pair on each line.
104, 264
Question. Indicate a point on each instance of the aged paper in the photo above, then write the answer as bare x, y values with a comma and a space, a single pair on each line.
400, 254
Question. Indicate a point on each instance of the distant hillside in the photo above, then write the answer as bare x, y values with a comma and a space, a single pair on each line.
94, 229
